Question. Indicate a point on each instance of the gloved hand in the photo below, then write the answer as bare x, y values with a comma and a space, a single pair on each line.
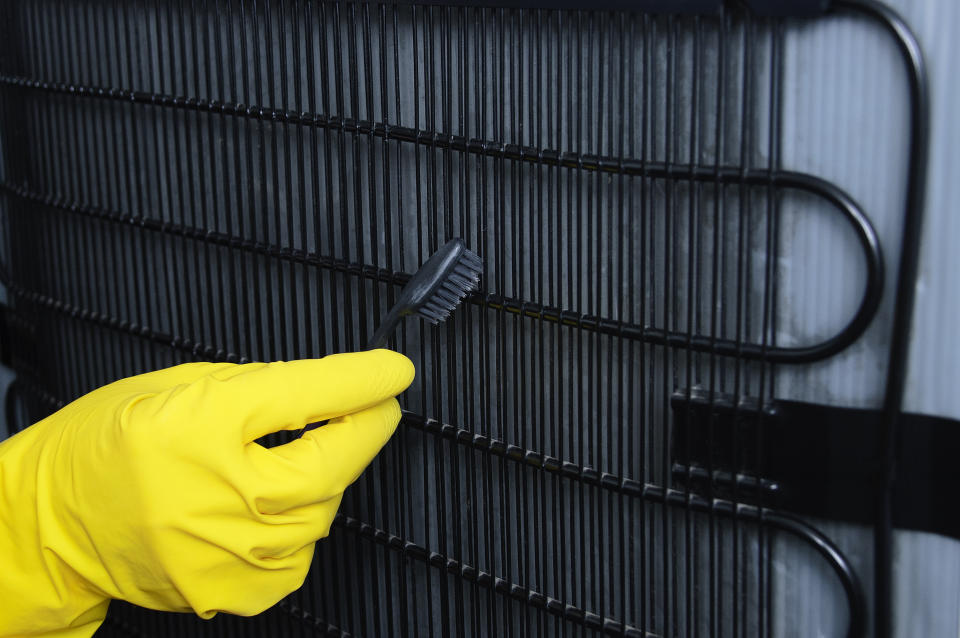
152, 490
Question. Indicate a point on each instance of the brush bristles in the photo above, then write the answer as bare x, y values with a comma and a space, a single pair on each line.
458, 284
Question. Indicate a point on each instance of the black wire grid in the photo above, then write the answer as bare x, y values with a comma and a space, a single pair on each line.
242, 181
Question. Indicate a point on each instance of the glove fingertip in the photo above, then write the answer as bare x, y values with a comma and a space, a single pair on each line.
398, 369
382, 418
391, 418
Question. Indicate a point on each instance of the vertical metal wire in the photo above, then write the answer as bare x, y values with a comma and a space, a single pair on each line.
772, 251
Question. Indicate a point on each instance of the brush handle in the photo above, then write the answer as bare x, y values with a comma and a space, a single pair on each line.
378, 340
386, 328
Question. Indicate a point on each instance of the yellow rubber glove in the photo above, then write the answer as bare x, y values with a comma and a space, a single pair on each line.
152, 490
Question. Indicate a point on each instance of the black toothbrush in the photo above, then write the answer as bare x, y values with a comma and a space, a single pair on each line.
434, 291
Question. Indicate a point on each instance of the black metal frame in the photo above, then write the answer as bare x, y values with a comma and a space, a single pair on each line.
885, 470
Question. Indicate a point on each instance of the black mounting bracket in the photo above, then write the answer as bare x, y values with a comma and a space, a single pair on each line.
815, 459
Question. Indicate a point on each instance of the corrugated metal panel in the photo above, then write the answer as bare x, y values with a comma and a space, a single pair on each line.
845, 120
852, 130
927, 567
935, 350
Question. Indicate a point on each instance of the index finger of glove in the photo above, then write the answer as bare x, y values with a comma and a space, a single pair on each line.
287, 395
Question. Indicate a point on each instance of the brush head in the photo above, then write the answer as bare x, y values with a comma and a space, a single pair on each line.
434, 291
439, 286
